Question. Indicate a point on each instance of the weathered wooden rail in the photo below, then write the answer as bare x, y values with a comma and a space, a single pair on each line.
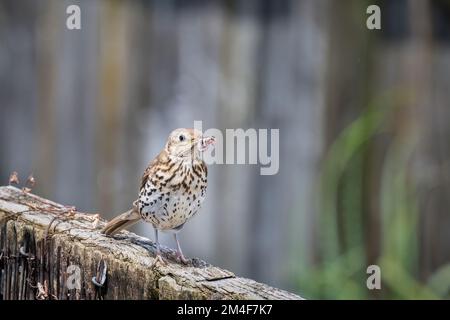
50, 251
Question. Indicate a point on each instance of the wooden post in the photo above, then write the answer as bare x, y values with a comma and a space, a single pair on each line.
50, 251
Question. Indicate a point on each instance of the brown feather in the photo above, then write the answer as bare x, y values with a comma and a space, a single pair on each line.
152, 167
122, 221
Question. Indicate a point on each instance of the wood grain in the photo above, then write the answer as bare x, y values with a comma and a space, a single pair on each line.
43, 242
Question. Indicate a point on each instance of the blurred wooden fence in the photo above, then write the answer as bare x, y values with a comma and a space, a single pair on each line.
88, 109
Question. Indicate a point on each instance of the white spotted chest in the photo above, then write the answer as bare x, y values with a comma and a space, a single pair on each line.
167, 201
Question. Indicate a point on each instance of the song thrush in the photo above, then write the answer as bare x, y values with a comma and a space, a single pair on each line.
172, 189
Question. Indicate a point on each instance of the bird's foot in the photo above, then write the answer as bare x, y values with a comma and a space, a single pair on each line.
158, 261
181, 258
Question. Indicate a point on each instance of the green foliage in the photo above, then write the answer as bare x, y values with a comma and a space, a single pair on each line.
341, 270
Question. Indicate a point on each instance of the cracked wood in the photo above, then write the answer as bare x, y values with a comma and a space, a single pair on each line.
44, 245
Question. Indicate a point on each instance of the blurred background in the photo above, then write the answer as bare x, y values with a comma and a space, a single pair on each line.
363, 116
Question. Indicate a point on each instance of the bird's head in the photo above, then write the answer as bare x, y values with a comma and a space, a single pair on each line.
188, 143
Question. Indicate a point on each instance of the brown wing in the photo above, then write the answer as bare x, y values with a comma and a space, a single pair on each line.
153, 166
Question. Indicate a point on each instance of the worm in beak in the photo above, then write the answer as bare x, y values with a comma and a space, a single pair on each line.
205, 142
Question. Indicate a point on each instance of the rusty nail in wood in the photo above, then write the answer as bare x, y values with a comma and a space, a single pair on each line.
22, 252
100, 278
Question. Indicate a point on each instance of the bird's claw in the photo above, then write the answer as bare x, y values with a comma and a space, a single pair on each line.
181, 258
158, 260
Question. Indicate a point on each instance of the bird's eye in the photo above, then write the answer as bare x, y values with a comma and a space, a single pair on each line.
182, 137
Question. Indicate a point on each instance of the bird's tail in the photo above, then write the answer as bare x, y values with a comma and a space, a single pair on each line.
122, 221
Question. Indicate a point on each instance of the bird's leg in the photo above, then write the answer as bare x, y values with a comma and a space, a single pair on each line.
180, 255
158, 257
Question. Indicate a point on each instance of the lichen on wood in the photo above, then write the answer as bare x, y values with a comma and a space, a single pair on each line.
50, 251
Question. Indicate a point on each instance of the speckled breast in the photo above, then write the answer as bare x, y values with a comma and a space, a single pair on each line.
167, 201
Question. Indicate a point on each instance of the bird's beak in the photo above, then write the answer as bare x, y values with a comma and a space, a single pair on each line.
205, 142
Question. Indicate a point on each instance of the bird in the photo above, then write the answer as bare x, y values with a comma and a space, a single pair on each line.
172, 190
